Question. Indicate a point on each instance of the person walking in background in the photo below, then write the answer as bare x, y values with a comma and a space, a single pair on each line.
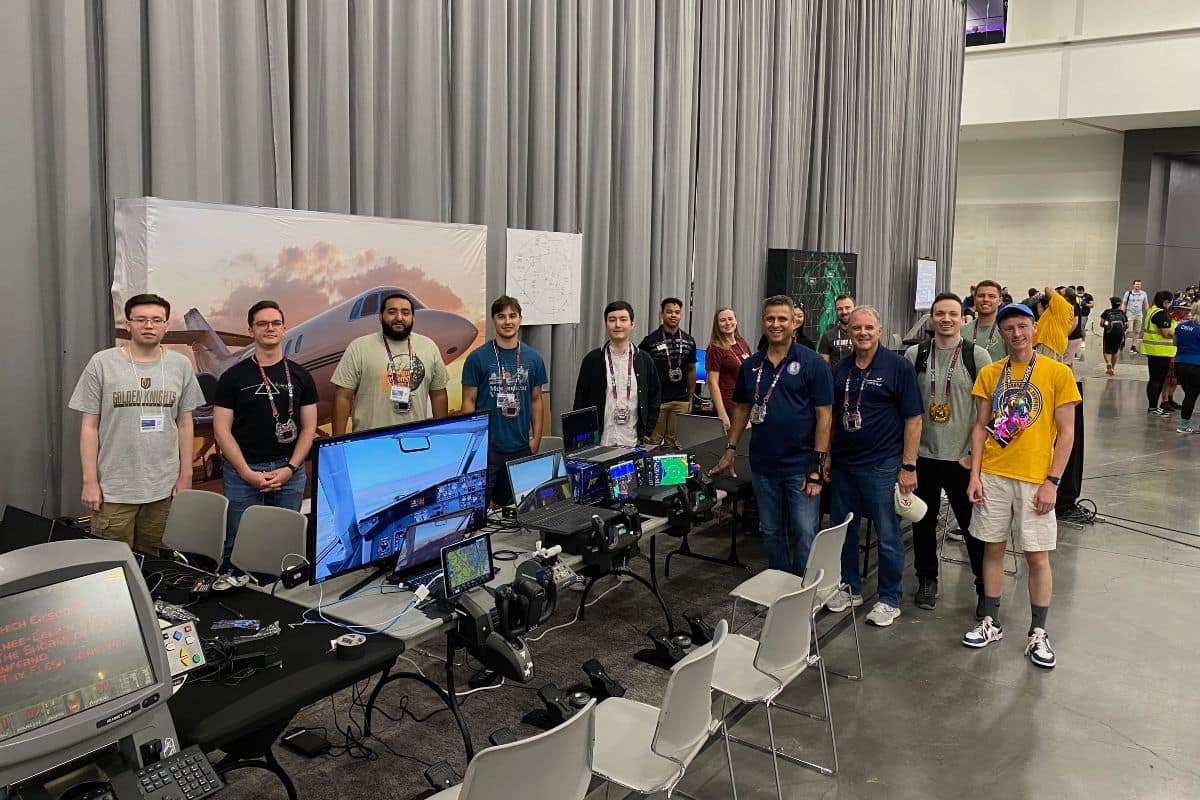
674, 352
722, 361
1086, 304
1134, 305
1115, 324
1158, 346
1187, 365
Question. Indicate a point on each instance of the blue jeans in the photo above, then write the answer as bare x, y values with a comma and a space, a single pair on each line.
868, 491
788, 519
242, 495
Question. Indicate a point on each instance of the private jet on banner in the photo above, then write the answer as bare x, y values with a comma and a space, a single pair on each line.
317, 344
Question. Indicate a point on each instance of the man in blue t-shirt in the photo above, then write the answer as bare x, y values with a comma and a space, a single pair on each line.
876, 434
785, 391
507, 378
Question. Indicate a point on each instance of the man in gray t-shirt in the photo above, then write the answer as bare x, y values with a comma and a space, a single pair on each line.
946, 376
1134, 303
135, 446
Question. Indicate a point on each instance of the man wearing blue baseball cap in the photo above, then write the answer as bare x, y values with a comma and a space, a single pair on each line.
1020, 445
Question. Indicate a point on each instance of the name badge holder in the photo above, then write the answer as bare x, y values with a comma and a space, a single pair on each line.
506, 400
674, 368
149, 421
940, 413
758, 412
1012, 420
852, 420
620, 410
674, 374
400, 391
285, 431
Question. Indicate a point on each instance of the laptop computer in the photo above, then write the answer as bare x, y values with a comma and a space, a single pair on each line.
581, 437
542, 494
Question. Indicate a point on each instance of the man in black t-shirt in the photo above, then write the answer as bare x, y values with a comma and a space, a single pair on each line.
835, 342
674, 354
264, 421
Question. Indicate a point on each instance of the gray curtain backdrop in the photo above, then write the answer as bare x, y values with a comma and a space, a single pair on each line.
682, 138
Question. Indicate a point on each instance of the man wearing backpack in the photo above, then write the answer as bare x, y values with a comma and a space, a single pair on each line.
1115, 324
1134, 304
946, 368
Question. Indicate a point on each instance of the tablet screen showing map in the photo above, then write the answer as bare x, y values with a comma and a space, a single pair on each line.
467, 565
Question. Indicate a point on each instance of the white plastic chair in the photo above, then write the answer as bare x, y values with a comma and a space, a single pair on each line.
557, 763
266, 536
646, 749
196, 524
824, 558
757, 672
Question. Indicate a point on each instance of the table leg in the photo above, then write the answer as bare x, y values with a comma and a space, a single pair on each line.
447, 697
268, 762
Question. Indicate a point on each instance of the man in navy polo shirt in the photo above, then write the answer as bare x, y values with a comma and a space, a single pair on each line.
877, 431
785, 391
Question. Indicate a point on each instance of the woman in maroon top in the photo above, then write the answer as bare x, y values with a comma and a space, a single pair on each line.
726, 352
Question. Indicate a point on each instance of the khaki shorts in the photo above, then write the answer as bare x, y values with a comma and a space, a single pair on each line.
140, 524
1008, 506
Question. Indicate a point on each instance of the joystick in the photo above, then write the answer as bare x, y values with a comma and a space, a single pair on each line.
604, 685
702, 632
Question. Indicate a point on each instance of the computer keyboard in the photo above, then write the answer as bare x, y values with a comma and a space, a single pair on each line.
187, 775
561, 517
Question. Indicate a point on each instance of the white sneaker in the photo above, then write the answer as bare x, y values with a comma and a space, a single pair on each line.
883, 615
230, 581
954, 535
843, 599
1039, 650
983, 634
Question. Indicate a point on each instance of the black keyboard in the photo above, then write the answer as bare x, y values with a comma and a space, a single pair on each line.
187, 775
562, 517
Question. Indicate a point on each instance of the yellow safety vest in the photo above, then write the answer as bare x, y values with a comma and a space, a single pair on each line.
1153, 342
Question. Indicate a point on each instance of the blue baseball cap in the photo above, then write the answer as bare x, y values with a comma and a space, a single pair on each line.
1010, 309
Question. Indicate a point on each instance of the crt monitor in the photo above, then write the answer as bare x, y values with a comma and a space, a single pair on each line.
81, 657
539, 480
397, 495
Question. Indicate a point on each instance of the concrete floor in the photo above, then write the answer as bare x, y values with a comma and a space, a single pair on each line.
1115, 719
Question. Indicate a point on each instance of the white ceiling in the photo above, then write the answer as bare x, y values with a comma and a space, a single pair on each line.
1093, 126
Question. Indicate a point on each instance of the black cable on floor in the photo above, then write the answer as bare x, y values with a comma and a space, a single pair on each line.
1152, 525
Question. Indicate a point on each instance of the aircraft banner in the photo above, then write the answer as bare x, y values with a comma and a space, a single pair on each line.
328, 272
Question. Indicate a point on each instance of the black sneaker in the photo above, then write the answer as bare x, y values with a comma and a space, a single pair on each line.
1158, 412
1171, 405
927, 593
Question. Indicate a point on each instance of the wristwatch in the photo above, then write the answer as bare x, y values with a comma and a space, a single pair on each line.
730, 446
294, 469
1055, 479
909, 467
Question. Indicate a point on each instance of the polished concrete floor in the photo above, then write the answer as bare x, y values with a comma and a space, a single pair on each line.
1116, 719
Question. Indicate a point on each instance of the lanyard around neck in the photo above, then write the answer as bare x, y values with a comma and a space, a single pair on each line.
612, 373
771, 388
267, 385
392, 376
861, 386
1006, 379
500, 366
162, 370
949, 372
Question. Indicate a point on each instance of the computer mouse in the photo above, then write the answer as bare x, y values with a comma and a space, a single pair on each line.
579, 699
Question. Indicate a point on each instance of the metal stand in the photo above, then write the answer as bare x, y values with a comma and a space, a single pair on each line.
732, 560
651, 586
447, 695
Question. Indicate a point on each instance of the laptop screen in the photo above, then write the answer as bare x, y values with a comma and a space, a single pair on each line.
581, 429
539, 481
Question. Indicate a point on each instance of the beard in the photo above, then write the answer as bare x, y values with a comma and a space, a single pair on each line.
394, 335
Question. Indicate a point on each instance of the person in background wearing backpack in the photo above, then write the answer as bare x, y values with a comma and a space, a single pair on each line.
1134, 304
946, 368
1114, 323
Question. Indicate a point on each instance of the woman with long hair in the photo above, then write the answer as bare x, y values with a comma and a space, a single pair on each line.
726, 352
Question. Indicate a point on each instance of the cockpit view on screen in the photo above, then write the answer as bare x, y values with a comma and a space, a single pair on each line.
539, 481
399, 493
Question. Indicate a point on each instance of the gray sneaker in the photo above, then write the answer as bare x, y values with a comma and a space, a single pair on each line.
883, 615
843, 599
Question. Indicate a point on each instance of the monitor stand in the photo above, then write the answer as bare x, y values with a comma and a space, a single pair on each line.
373, 575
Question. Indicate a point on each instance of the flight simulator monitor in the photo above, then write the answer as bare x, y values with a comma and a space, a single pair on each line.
81, 659
667, 469
622, 480
540, 480
397, 495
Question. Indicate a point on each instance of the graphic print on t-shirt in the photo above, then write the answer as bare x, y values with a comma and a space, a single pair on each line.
1025, 404
403, 378
516, 383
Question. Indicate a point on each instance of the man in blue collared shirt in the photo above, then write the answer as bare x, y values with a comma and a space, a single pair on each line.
786, 392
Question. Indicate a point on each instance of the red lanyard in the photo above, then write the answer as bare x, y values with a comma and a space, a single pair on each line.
861, 386
991, 335
933, 370
267, 385
740, 355
392, 365
770, 390
628, 372
500, 367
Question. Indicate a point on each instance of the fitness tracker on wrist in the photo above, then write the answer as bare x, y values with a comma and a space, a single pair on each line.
909, 467
730, 446
1055, 479
294, 469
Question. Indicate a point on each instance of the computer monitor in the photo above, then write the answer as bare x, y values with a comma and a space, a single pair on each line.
467, 565
397, 494
622, 480
581, 429
540, 480
667, 469
701, 368
81, 657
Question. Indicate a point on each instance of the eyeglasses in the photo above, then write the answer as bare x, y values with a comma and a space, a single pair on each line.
269, 323
150, 320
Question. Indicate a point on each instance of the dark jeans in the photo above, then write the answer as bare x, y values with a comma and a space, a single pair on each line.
499, 488
1189, 379
1158, 366
868, 492
933, 476
242, 495
788, 519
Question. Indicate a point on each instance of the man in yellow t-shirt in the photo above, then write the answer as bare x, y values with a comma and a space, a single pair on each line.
1055, 324
1020, 445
